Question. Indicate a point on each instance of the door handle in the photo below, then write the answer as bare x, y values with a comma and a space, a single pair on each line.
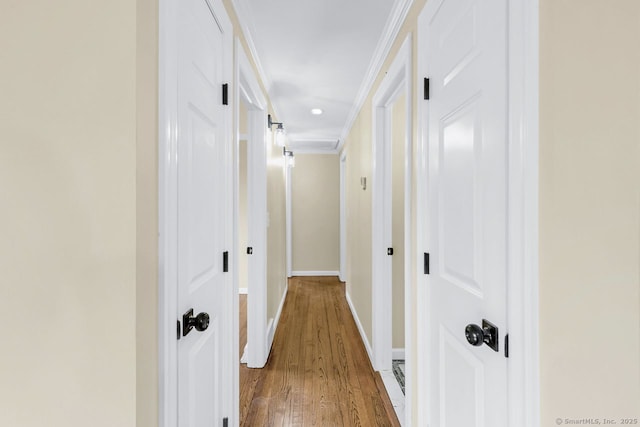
200, 322
487, 334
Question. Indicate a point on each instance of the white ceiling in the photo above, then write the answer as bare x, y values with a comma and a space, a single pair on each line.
318, 54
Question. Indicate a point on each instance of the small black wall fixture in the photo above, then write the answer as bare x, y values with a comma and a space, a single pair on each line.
279, 131
271, 123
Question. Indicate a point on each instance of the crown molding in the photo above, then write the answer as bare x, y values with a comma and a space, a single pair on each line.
313, 146
385, 43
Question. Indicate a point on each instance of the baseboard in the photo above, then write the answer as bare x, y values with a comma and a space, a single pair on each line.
243, 291
365, 340
397, 354
273, 323
315, 273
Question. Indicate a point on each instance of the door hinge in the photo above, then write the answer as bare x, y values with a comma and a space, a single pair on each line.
389, 251
179, 330
225, 422
426, 88
506, 345
225, 94
426, 263
249, 250
225, 262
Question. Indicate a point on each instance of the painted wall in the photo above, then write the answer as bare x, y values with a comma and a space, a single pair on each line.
69, 212
589, 209
398, 137
359, 164
146, 313
276, 230
315, 212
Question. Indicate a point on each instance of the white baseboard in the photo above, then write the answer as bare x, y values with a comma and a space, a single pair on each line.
365, 340
315, 273
273, 324
243, 291
397, 354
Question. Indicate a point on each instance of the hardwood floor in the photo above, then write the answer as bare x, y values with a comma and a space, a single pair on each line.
318, 373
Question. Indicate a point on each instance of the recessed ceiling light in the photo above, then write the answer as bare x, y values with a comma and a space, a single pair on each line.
316, 111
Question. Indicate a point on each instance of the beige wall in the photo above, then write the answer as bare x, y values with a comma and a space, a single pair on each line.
315, 212
398, 137
147, 214
359, 164
589, 209
276, 231
68, 247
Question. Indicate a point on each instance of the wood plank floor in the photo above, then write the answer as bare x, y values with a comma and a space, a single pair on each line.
318, 373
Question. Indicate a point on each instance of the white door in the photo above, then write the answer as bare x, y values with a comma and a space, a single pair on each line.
204, 222
465, 44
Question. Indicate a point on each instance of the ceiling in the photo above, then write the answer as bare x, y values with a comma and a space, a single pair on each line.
319, 54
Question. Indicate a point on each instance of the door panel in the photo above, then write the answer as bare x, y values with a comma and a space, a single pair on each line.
203, 201
461, 377
466, 52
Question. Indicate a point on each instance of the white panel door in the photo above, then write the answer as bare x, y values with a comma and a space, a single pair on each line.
466, 60
202, 212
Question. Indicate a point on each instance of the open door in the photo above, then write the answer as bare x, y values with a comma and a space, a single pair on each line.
196, 214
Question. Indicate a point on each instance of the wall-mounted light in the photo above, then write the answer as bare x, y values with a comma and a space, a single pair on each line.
279, 141
289, 158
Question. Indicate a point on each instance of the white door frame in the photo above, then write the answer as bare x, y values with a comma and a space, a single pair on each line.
248, 89
397, 81
343, 217
167, 210
522, 216
288, 218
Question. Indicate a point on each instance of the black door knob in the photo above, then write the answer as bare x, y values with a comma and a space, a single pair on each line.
474, 334
487, 334
200, 322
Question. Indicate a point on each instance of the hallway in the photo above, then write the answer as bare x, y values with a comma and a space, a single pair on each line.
318, 372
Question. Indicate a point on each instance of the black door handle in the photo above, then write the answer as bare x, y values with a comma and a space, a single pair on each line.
200, 322
487, 334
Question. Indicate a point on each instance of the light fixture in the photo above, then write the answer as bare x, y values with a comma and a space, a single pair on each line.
290, 160
316, 111
279, 141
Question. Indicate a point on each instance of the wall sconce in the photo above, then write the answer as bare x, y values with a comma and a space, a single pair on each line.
279, 141
289, 159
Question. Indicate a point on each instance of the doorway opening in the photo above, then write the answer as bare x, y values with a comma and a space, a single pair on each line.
391, 237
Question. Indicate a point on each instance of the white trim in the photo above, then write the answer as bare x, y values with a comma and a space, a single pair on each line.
343, 217
315, 273
167, 238
246, 27
273, 323
363, 335
522, 299
398, 353
311, 150
422, 243
243, 291
396, 81
288, 218
248, 88
396, 19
